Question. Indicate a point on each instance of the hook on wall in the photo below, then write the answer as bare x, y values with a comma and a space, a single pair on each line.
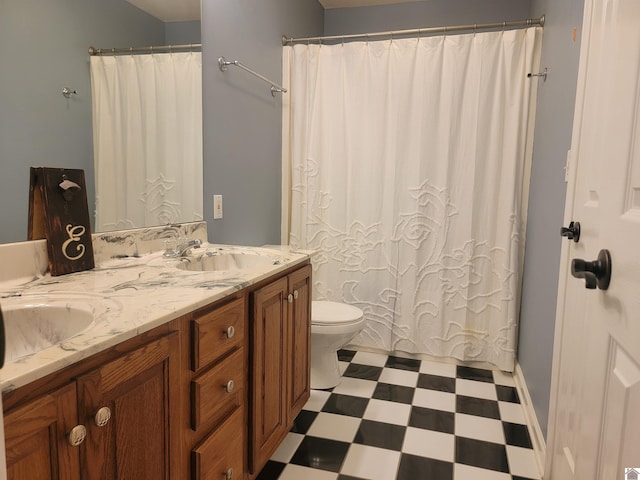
67, 92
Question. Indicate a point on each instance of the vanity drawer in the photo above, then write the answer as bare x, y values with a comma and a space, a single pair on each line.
217, 332
221, 451
218, 391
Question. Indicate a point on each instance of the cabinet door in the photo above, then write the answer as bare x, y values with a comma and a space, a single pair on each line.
139, 389
299, 341
268, 396
36, 438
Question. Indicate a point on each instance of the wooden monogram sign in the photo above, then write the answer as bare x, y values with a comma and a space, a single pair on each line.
58, 211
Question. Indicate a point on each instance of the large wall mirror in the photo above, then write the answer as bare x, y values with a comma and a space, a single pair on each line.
44, 49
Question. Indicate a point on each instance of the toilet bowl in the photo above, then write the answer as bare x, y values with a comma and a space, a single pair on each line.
333, 325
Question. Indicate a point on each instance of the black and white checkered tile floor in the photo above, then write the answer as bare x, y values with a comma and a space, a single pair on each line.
393, 418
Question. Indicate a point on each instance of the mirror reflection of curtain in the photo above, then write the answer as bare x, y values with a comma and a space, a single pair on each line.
147, 136
409, 167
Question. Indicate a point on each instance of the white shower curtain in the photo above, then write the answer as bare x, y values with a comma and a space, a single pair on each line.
147, 137
406, 164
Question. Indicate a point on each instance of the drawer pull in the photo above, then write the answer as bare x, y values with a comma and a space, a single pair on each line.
229, 386
228, 475
102, 416
77, 435
231, 332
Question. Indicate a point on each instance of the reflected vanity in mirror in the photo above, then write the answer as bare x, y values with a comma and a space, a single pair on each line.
43, 49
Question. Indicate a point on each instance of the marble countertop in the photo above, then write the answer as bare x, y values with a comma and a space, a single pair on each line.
127, 295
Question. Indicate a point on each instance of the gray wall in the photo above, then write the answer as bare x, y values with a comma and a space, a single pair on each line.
242, 121
400, 16
554, 122
179, 33
43, 48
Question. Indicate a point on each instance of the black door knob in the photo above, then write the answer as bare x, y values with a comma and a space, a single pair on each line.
596, 273
572, 232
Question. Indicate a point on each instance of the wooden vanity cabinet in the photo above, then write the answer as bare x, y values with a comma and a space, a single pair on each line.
299, 338
136, 439
36, 437
209, 395
221, 454
280, 348
218, 391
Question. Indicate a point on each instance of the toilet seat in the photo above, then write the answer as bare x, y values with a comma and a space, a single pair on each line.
334, 313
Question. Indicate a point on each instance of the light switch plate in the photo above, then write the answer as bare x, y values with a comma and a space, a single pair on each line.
217, 207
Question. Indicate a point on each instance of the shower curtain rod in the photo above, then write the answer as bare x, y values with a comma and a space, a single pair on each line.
419, 31
159, 49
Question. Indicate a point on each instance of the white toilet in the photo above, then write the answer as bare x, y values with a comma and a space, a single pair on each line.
333, 325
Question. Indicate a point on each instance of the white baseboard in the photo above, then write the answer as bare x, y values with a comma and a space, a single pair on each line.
537, 438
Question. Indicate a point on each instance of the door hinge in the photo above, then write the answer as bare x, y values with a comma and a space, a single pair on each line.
567, 167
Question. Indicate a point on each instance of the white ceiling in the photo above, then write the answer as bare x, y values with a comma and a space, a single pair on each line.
170, 10
188, 10
359, 3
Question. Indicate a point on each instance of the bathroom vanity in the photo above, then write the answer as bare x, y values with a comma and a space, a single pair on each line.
183, 373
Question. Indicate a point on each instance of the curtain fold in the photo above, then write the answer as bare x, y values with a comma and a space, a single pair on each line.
408, 162
147, 137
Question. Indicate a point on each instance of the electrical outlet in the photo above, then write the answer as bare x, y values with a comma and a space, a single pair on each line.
217, 207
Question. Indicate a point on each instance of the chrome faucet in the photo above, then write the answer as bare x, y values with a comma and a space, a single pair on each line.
182, 249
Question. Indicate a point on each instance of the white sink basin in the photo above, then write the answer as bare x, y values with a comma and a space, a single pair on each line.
225, 261
32, 327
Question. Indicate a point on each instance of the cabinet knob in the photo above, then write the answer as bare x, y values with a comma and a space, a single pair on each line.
102, 416
228, 475
295, 294
231, 331
77, 435
229, 386
290, 298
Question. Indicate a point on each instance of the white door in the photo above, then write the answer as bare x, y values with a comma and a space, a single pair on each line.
594, 429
